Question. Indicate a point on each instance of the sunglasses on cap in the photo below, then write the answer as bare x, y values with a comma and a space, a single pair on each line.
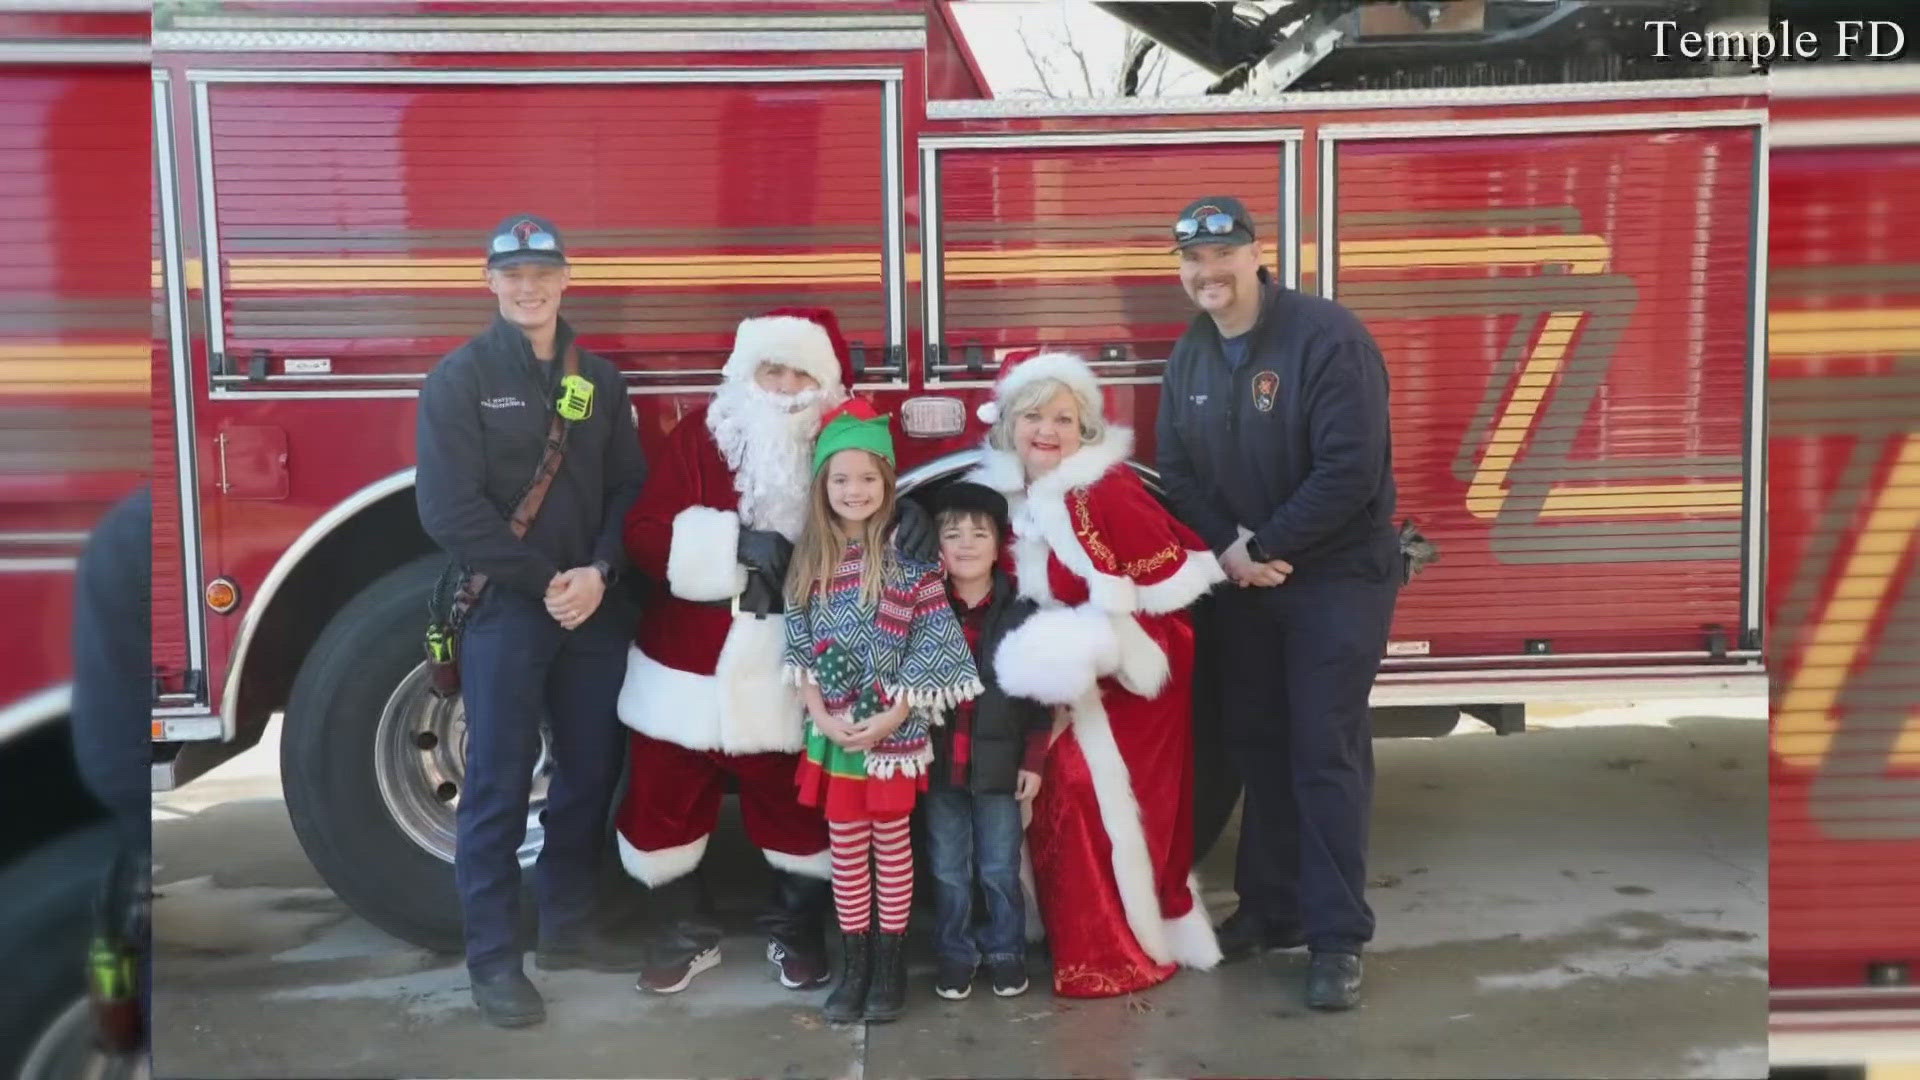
540, 240
1214, 224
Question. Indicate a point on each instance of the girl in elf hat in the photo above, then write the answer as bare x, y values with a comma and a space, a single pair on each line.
878, 655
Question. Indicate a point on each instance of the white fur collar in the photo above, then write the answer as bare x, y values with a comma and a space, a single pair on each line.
1001, 469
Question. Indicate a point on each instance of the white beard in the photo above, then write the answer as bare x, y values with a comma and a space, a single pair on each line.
768, 443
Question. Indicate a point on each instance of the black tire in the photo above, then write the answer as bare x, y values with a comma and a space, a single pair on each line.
46, 916
327, 764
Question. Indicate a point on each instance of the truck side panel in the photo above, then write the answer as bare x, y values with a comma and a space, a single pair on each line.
1845, 583
73, 348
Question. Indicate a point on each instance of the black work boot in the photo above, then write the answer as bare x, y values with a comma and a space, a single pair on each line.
888, 996
1244, 934
508, 998
848, 1002
1333, 981
796, 927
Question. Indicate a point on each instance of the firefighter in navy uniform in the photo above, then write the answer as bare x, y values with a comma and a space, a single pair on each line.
548, 635
1274, 446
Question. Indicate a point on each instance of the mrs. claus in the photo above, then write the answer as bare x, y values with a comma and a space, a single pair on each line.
1111, 838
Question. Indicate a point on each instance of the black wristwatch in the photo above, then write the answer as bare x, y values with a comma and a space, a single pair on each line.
608, 575
1255, 552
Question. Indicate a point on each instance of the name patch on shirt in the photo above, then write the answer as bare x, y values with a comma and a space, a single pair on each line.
508, 402
1266, 385
1198, 399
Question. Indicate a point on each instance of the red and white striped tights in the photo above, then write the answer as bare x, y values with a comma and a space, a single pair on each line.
853, 885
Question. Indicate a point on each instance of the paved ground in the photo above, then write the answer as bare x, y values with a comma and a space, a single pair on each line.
1586, 899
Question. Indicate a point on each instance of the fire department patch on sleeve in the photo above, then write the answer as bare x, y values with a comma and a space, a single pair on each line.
1265, 386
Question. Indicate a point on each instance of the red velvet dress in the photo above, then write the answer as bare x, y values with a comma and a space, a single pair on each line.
1111, 838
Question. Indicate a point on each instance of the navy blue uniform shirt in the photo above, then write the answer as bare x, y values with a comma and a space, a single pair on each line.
1289, 440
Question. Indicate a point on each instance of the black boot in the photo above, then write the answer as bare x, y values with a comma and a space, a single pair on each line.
1333, 981
888, 997
848, 1002
796, 927
507, 998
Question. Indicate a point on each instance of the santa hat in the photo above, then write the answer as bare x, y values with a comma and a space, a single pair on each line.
1019, 370
854, 425
803, 338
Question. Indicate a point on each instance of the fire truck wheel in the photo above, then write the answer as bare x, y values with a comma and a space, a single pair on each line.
372, 765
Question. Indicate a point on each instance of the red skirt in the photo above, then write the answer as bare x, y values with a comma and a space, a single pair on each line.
857, 798
1094, 951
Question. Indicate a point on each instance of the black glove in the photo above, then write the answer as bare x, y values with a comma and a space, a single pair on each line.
765, 551
913, 533
763, 594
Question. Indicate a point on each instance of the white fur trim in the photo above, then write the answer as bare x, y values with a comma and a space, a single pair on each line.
1055, 656
656, 868
1190, 938
758, 711
999, 470
700, 561
745, 708
784, 339
817, 865
671, 705
1120, 817
1142, 667
988, 412
1067, 367
1199, 572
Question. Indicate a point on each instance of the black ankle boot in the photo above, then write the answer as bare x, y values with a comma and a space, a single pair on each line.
888, 996
848, 1002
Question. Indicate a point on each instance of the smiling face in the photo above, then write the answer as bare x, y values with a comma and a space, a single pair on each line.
967, 545
1048, 433
785, 381
856, 488
529, 293
1221, 279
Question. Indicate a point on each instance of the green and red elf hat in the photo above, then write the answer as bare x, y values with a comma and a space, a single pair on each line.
854, 425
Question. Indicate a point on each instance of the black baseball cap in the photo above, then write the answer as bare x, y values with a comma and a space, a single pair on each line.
1216, 219
525, 238
965, 496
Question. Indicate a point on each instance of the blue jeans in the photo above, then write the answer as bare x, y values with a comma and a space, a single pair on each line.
969, 834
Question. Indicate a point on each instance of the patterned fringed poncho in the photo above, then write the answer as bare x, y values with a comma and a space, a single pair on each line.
864, 660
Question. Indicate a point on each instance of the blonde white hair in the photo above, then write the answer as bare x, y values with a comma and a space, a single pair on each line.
1035, 393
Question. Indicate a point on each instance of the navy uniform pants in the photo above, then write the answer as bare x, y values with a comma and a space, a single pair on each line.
1296, 665
518, 667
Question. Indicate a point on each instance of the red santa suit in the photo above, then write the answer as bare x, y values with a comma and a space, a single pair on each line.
1111, 837
704, 693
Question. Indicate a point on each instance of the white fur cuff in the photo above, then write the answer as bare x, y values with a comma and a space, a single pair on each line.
700, 563
817, 865
655, 868
1057, 654
1190, 938
1143, 665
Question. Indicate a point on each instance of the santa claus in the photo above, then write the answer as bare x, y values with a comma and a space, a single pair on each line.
712, 532
1111, 837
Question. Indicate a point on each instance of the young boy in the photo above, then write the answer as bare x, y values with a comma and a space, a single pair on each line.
987, 759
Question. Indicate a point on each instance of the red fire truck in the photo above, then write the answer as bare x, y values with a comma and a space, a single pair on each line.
75, 354
1567, 282
1843, 588
1600, 442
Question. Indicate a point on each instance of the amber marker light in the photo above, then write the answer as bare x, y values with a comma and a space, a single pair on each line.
222, 595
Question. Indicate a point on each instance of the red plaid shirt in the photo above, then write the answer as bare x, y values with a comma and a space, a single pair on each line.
973, 620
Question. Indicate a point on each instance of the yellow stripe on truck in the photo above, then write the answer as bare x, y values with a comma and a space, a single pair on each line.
1585, 254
